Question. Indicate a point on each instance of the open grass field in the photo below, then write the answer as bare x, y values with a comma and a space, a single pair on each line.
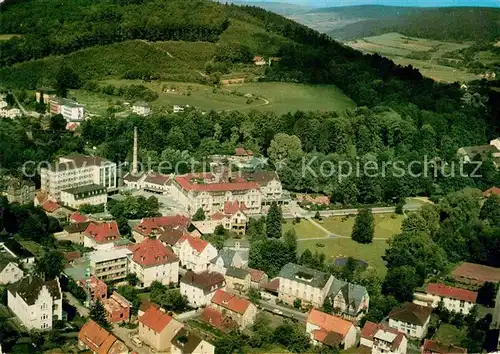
95, 103
4, 37
304, 229
386, 225
436, 71
449, 334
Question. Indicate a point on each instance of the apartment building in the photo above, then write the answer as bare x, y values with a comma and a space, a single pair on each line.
70, 110
110, 264
411, 319
18, 190
92, 194
77, 170
101, 235
454, 299
35, 302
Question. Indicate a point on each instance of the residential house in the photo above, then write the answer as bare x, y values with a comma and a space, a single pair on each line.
72, 256
239, 309
9, 112
77, 218
145, 305
350, 301
454, 299
471, 153
232, 218
228, 258
18, 190
382, 340
141, 108
259, 61
186, 342
218, 320
111, 264
178, 108
491, 191
9, 271
48, 204
97, 289
73, 232
236, 244
243, 154
476, 274
269, 185
333, 331
35, 302
257, 278
101, 235
154, 227
308, 285
91, 194
411, 319
238, 279
152, 261
435, 347
13, 249
157, 329
117, 308
156, 183
195, 254
99, 341
199, 288
77, 170
69, 109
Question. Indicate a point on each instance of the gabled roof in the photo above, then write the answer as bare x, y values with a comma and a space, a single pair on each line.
218, 320
273, 285
411, 313
76, 227
71, 256
231, 208
99, 340
195, 243
158, 224
104, 232
155, 319
205, 182
4, 262
477, 273
50, 206
432, 346
151, 252
491, 191
171, 236
19, 250
227, 257
256, 274
241, 151
304, 275
238, 273
77, 217
375, 330
451, 292
186, 341
332, 339
352, 293
230, 302
218, 216
28, 288
205, 280
157, 178
329, 323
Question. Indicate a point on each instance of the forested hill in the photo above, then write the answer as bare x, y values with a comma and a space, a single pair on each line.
371, 12
452, 24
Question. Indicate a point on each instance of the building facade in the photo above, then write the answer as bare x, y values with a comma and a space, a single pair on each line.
117, 308
454, 299
239, 309
19, 191
9, 271
195, 254
382, 340
411, 319
199, 288
101, 235
157, 329
91, 194
110, 264
70, 110
333, 331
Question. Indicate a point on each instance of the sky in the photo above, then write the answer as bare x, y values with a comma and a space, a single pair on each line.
423, 3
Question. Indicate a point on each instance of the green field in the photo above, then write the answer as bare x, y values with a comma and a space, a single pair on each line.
304, 229
4, 37
449, 334
386, 225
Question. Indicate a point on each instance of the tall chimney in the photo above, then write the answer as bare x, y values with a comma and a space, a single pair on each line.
134, 159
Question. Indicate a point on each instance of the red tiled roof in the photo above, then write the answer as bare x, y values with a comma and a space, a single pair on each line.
71, 256
186, 183
491, 191
104, 232
218, 320
155, 319
451, 292
157, 178
231, 302
97, 338
477, 273
195, 242
218, 216
328, 322
239, 151
152, 252
273, 285
233, 207
158, 224
256, 274
77, 218
50, 206
432, 346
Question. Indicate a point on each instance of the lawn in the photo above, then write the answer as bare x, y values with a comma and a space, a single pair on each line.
386, 225
341, 247
304, 229
95, 103
4, 37
449, 334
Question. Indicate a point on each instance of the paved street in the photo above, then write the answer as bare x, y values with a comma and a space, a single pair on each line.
286, 311
82, 310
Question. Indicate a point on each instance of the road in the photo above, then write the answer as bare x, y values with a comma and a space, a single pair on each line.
82, 310
25, 112
285, 311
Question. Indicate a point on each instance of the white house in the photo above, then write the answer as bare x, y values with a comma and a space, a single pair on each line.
382, 340
228, 258
411, 319
9, 271
195, 254
70, 110
10, 113
454, 299
350, 301
36, 303
178, 108
333, 331
141, 109
186, 342
200, 287
151, 260
92, 194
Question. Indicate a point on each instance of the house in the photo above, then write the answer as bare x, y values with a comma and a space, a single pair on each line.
218, 320
19, 190
333, 331
236, 244
117, 308
195, 254
35, 302
44, 95
101, 235
238, 279
435, 347
476, 274
69, 109
141, 108
97, 289
491, 191
411, 319
9, 271
77, 218
99, 341
156, 183
482, 152
454, 299
9, 112
18, 252
228, 258
154, 227
308, 285
145, 305
178, 108
91, 194
152, 261
259, 61
71, 257
239, 309
257, 278
350, 301
157, 329
379, 339
243, 153
199, 288
76, 170
73, 232
232, 218
185, 342
110, 264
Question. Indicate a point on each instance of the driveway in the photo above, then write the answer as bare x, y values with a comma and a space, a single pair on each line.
124, 334
82, 310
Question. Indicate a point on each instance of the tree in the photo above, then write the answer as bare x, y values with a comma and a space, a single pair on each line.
66, 79
269, 255
57, 123
297, 303
50, 265
317, 216
132, 279
282, 147
364, 227
123, 226
399, 207
327, 305
490, 210
273, 221
253, 295
349, 269
401, 282
199, 215
290, 241
486, 294
98, 314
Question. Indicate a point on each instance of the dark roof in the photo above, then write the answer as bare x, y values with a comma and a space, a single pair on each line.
18, 249
304, 275
76, 227
4, 262
352, 293
205, 280
170, 236
239, 273
85, 191
432, 346
411, 313
261, 177
29, 288
333, 339
186, 341
133, 177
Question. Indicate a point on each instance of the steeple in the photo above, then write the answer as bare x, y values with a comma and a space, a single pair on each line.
134, 158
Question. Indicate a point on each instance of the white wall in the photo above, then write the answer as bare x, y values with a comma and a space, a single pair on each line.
196, 296
164, 273
414, 331
10, 274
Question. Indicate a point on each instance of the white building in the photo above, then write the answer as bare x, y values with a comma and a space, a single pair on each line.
178, 108
36, 303
110, 264
228, 258
10, 113
333, 331
141, 109
9, 271
200, 287
411, 319
454, 299
151, 260
186, 342
381, 340
70, 110
77, 170
195, 254
92, 194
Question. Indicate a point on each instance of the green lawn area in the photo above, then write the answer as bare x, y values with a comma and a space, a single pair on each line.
4, 37
95, 103
386, 225
143, 296
304, 229
449, 334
